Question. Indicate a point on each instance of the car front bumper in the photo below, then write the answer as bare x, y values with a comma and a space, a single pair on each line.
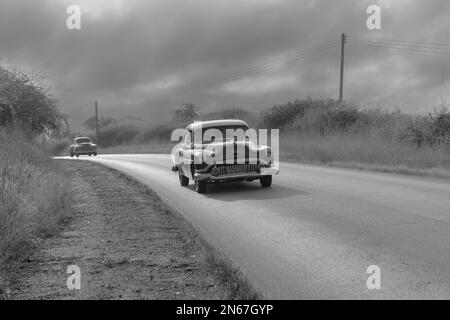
85, 151
236, 176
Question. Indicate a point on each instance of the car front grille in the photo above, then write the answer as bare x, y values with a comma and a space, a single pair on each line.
85, 147
237, 154
237, 168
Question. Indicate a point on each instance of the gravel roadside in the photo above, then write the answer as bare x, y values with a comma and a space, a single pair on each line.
127, 244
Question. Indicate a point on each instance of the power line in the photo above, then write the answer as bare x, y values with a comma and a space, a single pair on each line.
416, 46
393, 41
272, 64
276, 63
401, 47
381, 43
427, 47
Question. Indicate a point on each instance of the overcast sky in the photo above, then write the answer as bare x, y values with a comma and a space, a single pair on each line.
144, 58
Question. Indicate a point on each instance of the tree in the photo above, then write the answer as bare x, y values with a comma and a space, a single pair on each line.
28, 105
185, 115
441, 124
102, 122
227, 113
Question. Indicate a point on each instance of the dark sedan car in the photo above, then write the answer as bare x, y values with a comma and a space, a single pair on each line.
82, 145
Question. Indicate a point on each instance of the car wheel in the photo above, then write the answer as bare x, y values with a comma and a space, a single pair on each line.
90, 154
95, 154
77, 155
266, 181
200, 186
184, 181
71, 155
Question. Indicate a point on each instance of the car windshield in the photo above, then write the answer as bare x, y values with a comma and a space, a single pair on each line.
83, 140
224, 133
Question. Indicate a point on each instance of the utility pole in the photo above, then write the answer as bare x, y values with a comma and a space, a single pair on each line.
341, 82
96, 123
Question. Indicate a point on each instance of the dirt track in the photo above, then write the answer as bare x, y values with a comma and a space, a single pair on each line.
127, 244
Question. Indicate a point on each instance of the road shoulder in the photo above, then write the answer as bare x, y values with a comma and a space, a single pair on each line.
128, 245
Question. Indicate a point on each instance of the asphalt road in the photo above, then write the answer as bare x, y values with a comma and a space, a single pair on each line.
317, 230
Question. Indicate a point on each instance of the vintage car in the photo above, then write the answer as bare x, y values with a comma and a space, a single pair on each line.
208, 154
82, 145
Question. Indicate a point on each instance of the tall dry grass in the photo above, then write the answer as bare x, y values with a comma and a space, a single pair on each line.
366, 151
34, 194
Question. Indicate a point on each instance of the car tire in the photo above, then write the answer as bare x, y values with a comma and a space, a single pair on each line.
90, 154
200, 186
184, 181
266, 181
71, 155
95, 154
77, 155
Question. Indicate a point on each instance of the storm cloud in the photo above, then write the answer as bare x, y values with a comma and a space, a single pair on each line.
145, 58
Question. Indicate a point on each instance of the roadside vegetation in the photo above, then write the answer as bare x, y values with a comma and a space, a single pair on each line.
315, 131
333, 133
34, 192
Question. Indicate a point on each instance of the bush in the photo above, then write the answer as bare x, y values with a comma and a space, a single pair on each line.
319, 115
441, 123
56, 147
117, 135
283, 116
28, 105
324, 117
159, 134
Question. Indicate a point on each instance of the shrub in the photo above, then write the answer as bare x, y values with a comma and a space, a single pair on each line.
282, 116
160, 134
28, 105
117, 135
441, 123
56, 147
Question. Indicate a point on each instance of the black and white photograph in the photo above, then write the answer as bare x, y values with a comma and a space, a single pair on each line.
224, 155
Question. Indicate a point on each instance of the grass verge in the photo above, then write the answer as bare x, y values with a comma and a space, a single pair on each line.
367, 152
34, 198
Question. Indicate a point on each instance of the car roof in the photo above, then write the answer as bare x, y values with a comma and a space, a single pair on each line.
215, 123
